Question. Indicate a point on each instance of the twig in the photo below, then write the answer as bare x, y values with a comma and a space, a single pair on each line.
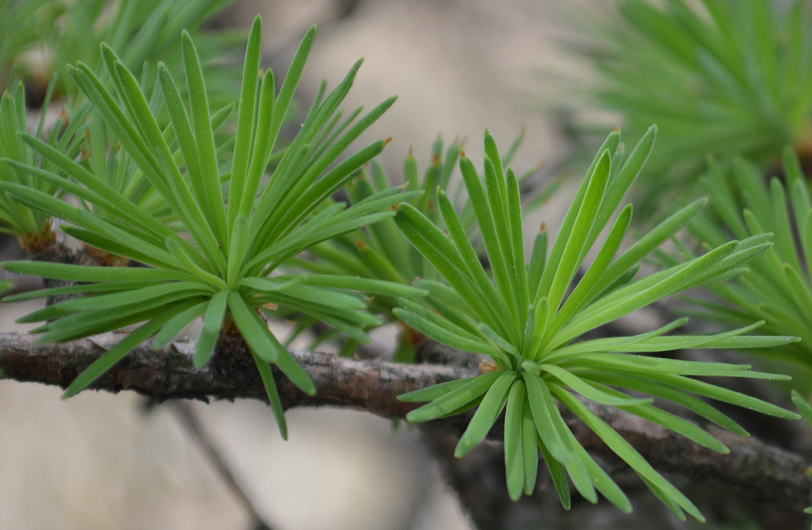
192, 424
752, 469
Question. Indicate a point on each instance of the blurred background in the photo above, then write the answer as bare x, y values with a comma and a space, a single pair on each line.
101, 461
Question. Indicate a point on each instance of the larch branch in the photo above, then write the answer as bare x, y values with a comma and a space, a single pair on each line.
753, 469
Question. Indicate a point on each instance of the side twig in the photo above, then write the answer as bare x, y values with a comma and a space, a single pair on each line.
192, 424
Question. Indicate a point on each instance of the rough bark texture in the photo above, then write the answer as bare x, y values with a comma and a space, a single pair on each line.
169, 373
753, 469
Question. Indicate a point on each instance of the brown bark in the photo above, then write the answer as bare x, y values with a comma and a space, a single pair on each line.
752, 469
